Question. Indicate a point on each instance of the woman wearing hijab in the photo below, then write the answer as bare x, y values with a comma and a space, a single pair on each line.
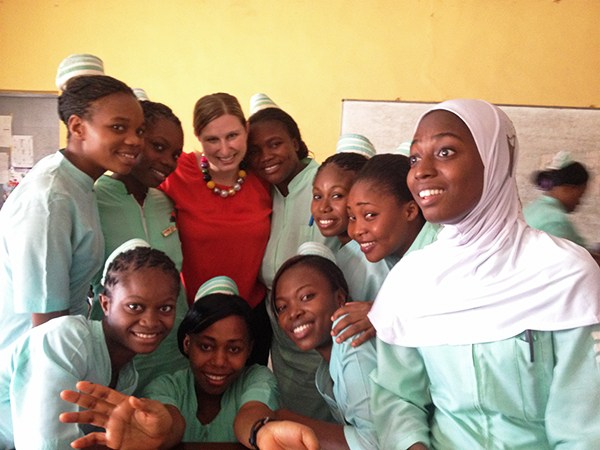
492, 344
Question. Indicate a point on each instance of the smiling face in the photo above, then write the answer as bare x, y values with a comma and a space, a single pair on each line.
330, 194
305, 302
273, 153
140, 311
446, 175
111, 137
379, 223
162, 149
224, 144
218, 354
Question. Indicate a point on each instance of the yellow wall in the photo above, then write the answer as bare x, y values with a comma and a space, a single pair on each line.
308, 55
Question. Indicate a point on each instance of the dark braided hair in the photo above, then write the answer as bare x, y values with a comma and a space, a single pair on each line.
290, 125
574, 174
82, 91
153, 111
353, 162
136, 259
324, 266
388, 171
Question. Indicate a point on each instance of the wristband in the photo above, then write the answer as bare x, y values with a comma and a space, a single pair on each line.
254, 430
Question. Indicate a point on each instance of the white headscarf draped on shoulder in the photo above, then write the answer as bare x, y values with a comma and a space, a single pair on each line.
489, 277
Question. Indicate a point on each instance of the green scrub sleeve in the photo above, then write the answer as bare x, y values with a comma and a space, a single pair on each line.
572, 410
41, 265
400, 397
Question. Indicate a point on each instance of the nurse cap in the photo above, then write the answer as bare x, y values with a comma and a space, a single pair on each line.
261, 101
404, 148
355, 143
140, 94
561, 160
76, 65
318, 249
217, 285
124, 247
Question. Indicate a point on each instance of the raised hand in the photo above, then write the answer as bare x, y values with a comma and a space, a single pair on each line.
130, 423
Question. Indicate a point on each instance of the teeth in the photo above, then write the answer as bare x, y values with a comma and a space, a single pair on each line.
326, 221
146, 336
301, 328
366, 244
430, 192
159, 173
128, 155
215, 377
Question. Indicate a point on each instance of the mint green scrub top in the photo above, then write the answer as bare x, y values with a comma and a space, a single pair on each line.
345, 385
255, 384
50, 245
548, 214
490, 395
291, 227
37, 367
122, 218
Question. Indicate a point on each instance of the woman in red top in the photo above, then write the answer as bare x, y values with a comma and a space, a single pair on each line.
223, 212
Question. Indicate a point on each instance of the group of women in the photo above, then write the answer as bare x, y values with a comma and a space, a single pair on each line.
486, 329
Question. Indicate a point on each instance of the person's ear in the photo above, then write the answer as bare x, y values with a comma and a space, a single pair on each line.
412, 210
186, 344
247, 127
296, 145
104, 302
76, 126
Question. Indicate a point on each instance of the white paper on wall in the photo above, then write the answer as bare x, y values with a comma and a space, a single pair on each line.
22, 151
5, 131
4, 168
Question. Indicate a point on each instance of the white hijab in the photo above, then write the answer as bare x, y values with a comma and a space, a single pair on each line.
490, 276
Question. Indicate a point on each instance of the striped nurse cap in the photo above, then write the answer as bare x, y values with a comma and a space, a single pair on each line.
316, 248
404, 148
140, 94
217, 285
261, 101
76, 65
355, 143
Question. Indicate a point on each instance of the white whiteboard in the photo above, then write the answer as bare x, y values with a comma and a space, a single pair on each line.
542, 132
